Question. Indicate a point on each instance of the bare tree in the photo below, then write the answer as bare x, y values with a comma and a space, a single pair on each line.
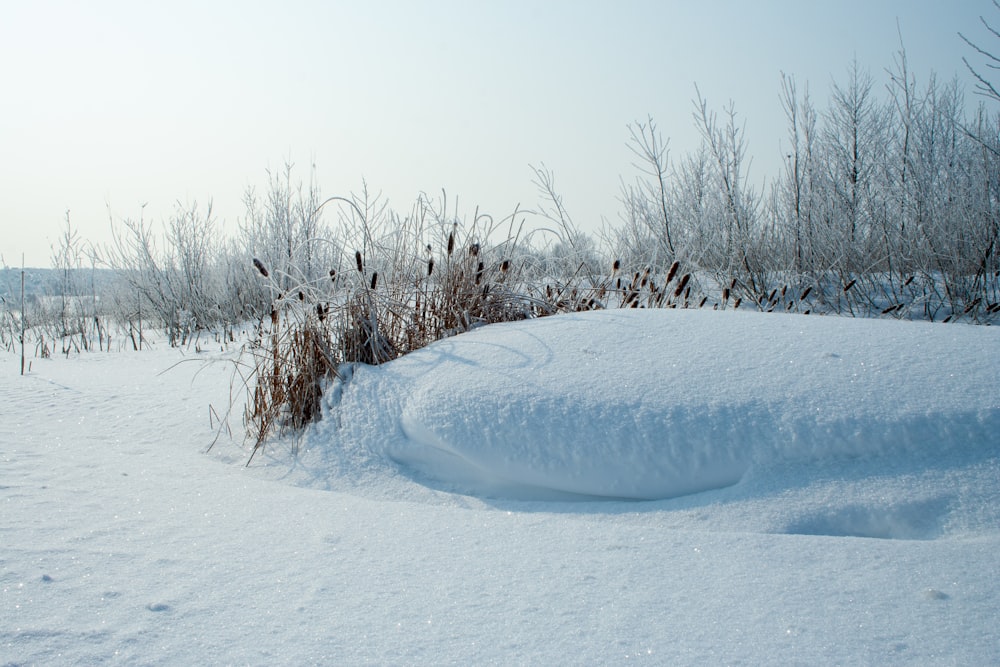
741, 248
651, 150
983, 85
797, 188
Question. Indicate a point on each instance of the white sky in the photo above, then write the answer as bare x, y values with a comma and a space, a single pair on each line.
131, 103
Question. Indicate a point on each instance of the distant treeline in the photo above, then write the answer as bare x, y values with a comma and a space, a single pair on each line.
51, 282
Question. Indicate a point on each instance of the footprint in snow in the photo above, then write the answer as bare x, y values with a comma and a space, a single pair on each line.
158, 607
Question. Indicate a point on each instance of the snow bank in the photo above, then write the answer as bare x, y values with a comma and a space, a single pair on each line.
661, 403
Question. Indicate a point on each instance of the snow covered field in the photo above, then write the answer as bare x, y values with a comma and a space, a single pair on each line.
658, 487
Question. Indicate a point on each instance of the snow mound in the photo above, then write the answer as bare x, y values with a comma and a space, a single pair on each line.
650, 404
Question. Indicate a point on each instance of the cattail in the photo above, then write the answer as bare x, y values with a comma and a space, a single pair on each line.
451, 243
260, 267
617, 265
474, 250
673, 271
321, 311
702, 302
886, 311
358, 262
805, 293
849, 285
479, 273
333, 275
732, 285
504, 266
374, 279
736, 304
908, 281
430, 266
682, 284
725, 294
302, 296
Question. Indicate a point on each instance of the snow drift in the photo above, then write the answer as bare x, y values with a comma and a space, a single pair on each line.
661, 403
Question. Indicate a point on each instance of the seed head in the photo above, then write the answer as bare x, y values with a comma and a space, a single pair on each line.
673, 271
682, 284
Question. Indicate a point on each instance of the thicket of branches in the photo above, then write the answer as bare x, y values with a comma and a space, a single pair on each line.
887, 204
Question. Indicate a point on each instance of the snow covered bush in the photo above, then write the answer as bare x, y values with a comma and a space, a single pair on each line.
174, 276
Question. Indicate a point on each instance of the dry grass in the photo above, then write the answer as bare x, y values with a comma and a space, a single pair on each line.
390, 301
365, 318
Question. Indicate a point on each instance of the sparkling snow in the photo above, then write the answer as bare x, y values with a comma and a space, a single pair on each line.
818, 490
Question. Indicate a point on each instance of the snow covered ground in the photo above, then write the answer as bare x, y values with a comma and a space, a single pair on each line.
660, 487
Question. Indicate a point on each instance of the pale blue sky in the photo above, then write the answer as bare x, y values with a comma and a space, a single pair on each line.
139, 102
